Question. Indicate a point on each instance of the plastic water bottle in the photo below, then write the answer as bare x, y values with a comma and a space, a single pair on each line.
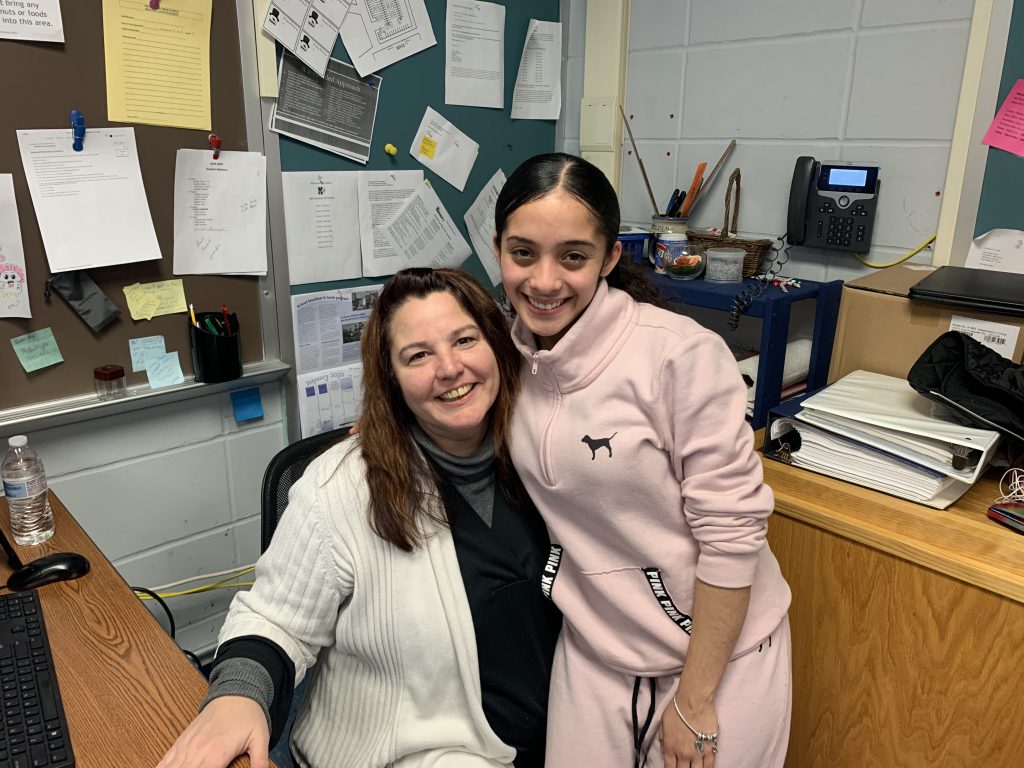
25, 488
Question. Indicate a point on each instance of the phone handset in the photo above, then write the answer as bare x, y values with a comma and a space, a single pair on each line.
804, 173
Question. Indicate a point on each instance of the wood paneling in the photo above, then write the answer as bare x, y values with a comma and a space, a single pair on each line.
895, 664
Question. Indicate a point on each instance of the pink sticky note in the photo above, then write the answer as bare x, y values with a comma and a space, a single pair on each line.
1007, 129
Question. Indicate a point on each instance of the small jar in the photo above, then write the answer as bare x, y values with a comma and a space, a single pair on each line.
665, 225
725, 265
110, 382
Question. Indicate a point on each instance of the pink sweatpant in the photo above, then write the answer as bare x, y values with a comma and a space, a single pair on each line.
590, 711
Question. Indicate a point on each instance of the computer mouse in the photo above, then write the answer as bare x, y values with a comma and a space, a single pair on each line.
60, 566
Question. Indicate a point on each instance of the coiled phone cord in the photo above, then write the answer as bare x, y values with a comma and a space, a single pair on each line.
776, 260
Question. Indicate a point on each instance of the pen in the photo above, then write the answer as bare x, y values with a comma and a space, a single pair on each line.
227, 320
212, 327
672, 202
192, 312
679, 204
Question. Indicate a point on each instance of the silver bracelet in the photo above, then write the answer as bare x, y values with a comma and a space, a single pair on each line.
701, 736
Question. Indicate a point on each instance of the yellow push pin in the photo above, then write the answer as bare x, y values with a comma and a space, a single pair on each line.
391, 149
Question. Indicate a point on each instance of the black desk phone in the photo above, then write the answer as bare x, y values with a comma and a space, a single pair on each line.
832, 205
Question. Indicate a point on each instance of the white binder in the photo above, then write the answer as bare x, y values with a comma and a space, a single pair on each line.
884, 412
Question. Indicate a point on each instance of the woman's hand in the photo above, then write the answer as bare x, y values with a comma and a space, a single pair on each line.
678, 744
227, 727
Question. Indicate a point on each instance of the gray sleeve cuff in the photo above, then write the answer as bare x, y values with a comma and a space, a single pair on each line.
242, 677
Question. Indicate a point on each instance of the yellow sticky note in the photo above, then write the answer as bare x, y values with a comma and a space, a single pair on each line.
171, 294
428, 146
146, 306
147, 300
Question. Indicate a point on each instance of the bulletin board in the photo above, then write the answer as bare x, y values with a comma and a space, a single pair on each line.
43, 82
408, 88
1002, 204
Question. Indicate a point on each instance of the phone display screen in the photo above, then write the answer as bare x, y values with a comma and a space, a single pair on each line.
848, 178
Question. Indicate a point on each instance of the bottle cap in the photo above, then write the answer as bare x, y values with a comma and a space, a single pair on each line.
18, 441
108, 372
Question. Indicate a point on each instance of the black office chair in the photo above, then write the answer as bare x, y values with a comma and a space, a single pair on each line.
282, 472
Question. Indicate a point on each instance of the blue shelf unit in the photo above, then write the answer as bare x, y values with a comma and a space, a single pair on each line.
773, 308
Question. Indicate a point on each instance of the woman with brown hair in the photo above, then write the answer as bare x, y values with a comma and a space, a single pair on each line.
405, 573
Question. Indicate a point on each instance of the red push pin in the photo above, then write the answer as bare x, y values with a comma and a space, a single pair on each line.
215, 143
154, 5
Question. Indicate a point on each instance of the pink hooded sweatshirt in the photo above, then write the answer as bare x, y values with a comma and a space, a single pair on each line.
631, 439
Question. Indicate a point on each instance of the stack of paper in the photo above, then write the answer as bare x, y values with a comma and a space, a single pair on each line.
876, 431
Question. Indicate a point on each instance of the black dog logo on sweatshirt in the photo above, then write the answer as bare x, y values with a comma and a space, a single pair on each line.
598, 442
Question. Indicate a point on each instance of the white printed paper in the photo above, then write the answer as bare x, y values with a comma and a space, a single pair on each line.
381, 195
480, 225
336, 113
306, 28
1001, 250
91, 205
376, 33
220, 213
13, 277
38, 20
474, 65
444, 149
424, 233
999, 337
328, 326
321, 212
329, 399
538, 91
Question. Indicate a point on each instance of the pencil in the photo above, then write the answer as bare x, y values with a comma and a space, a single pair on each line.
639, 160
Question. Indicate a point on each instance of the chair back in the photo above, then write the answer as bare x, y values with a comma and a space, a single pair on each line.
283, 471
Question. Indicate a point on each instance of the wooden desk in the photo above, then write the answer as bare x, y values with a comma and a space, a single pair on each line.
128, 690
908, 625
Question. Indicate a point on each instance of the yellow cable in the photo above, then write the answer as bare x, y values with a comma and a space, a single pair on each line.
900, 260
222, 584
197, 590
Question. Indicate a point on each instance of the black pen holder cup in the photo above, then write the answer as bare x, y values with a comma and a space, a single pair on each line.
215, 356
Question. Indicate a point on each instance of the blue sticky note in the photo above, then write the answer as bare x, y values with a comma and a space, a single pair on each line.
164, 371
246, 404
37, 350
145, 349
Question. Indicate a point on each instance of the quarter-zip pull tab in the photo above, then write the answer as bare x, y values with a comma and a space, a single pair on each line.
536, 360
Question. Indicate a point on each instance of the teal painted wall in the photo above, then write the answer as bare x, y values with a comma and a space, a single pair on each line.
408, 88
1002, 197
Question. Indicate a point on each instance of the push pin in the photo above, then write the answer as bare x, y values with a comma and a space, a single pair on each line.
215, 143
391, 149
77, 130
154, 5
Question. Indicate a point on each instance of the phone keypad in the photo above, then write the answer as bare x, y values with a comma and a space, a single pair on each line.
843, 231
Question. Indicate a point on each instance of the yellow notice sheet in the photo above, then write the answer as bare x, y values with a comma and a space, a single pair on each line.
158, 62
148, 300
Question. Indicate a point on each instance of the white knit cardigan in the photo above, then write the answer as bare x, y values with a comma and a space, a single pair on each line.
388, 634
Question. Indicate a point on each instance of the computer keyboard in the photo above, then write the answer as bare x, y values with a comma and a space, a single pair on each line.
33, 729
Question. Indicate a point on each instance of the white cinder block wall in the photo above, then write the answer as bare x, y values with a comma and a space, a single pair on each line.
862, 80
170, 492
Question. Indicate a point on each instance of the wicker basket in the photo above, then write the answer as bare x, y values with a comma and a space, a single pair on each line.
754, 250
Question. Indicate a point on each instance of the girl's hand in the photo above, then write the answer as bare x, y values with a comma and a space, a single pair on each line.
227, 727
678, 744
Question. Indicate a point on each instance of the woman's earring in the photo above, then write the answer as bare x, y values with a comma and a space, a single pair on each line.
505, 304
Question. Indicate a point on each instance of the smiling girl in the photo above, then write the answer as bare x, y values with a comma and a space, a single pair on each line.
629, 434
